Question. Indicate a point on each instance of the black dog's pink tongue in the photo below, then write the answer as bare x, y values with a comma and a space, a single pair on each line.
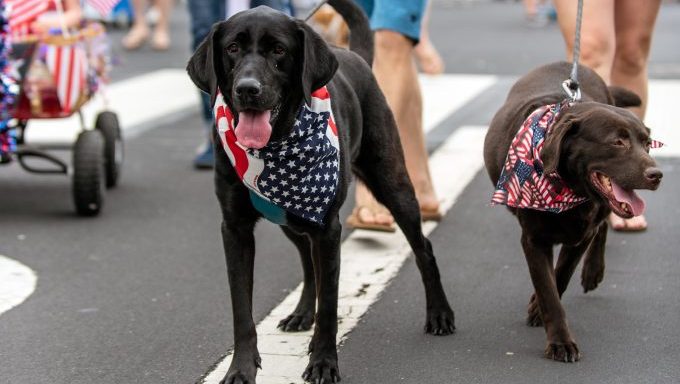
636, 203
253, 129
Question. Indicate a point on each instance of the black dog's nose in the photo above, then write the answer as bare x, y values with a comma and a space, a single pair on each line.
653, 174
248, 87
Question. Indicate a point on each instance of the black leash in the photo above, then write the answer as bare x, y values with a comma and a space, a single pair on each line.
571, 85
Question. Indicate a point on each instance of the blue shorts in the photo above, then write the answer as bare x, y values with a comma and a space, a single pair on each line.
403, 16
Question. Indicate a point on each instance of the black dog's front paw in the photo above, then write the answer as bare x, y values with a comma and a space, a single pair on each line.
566, 352
297, 322
440, 322
238, 377
242, 373
534, 318
322, 370
591, 277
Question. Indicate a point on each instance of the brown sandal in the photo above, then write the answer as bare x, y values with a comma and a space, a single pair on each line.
354, 221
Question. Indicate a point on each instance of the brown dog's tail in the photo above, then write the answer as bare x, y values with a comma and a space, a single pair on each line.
360, 34
621, 97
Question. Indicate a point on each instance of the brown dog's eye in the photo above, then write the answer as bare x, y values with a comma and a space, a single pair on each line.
279, 50
233, 48
621, 143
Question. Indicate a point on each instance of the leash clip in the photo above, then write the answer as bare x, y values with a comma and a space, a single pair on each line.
572, 89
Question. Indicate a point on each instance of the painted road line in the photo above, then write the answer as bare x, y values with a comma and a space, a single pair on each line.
369, 263
443, 94
139, 101
17, 282
152, 98
663, 101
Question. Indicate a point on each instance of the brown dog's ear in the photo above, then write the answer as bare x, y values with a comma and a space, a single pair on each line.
552, 147
622, 97
201, 66
318, 62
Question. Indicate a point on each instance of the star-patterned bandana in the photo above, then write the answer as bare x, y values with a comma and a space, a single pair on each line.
522, 183
298, 174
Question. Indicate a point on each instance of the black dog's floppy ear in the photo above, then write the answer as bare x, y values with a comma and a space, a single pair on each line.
318, 62
201, 66
552, 147
622, 97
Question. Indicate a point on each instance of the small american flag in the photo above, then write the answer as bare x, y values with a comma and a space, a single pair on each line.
655, 144
298, 174
522, 183
24, 12
104, 7
68, 66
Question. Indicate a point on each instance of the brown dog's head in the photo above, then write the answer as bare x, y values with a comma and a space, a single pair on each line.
264, 63
602, 151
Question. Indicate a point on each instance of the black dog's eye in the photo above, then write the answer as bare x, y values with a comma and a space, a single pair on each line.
279, 50
233, 48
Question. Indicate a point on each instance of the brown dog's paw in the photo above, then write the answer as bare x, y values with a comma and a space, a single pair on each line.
440, 322
297, 322
591, 277
534, 318
564, 352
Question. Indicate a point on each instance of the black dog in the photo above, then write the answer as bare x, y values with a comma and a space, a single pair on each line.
601, 152
263, 65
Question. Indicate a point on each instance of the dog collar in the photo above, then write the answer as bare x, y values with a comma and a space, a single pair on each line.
298, 174
522, 183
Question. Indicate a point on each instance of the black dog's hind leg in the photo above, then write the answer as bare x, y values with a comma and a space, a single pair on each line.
323, 360
302, 317
593, 265
381, 166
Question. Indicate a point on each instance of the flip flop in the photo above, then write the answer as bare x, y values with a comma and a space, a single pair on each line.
431, 215
354, 221
625, 227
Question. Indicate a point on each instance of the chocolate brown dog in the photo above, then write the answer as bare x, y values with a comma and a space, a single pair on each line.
599, 153
269, 75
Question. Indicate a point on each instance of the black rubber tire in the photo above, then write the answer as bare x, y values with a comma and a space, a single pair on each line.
107, 124
88, 173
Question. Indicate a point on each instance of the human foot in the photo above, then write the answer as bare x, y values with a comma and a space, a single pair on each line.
135, 38
634, 224
160, 41
428, 58
364, 217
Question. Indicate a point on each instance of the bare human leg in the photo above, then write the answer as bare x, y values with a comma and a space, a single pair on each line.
139, 31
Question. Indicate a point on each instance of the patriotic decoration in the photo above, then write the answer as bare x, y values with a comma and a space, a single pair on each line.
8, 89
104, 7
298, 174
68, 66
522, 183
23, 12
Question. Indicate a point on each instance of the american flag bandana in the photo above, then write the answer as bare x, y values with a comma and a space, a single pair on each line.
298, 174
522, 183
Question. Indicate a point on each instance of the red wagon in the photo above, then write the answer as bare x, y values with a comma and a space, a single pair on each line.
57, 75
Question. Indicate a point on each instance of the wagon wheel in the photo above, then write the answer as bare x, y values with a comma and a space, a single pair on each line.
88, 173
107, 124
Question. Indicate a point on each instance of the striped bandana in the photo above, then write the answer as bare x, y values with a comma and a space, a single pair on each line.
298, 174
522, 183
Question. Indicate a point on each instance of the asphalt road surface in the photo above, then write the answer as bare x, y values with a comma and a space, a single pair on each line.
139, 294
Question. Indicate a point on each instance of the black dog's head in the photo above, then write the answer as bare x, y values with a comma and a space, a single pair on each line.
603, 151
264, 63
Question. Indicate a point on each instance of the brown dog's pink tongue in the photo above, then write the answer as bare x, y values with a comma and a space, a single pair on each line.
253, 129
636, 203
